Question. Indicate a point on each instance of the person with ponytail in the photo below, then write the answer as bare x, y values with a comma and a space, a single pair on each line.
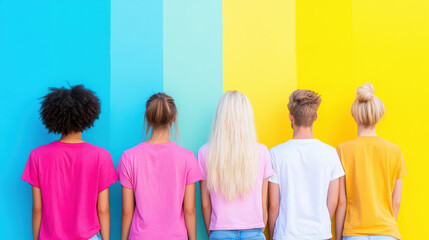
235, 170
370, 192
158, 180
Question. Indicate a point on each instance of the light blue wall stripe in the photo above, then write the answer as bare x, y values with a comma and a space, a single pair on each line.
136, 73
44, 44
193, 70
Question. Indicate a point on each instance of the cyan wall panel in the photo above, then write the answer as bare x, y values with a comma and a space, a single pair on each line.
44, 44
193, 71
136, 73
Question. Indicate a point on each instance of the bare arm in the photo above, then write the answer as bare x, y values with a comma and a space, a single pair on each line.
332, 200
37, 212
190, 211
206, 205
273, 206
103, 210
264, 201
128, 205
340, 214
396, 197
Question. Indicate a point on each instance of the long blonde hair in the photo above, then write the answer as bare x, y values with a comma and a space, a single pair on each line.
233, 156
367, 109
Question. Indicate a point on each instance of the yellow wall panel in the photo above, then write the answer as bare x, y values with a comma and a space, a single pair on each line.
390, 49
324, 64
259, 60
343, 44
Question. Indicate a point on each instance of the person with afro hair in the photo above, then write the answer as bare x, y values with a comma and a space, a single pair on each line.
70, 177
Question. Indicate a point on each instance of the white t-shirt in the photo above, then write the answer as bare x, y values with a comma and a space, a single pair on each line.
303, 169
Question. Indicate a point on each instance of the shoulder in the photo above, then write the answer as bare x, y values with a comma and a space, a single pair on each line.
286, 146
326, 146
202, 154
263, 152
102, 154
203, 149
390, 145
262, 147
42, 149
183, 151
136, 150
347, 144
131, 153
99, 150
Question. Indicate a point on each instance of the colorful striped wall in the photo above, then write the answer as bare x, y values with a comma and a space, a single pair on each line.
195, 50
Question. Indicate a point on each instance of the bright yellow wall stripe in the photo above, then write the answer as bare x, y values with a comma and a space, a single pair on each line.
340, 45
259, 60
343, 44
390, 48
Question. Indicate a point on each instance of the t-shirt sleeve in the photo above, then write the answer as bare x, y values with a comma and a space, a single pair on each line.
339, 155
108, 175
31, 172
268, 168
193, 172
124, 172
274, 178
202, 154
402, 169
337, 169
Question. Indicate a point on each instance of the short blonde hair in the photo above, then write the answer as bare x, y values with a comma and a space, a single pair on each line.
367, 109
303, 105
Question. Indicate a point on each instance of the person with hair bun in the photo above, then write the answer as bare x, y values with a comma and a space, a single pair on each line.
370, 192
70, 177
158, 180
303, 192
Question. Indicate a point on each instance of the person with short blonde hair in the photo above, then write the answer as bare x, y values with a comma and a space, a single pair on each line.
370, 192
235, 170
303, 106
303, 191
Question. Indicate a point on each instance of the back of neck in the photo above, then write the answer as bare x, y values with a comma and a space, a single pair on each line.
74, 137
366, 131
302, 132
159, 136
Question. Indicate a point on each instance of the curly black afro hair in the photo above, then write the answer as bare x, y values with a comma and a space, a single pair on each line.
69, 110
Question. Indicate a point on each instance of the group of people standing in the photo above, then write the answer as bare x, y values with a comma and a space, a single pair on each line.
294, 189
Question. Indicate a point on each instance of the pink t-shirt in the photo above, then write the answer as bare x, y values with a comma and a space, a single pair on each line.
70, 176
241, 213
158, 174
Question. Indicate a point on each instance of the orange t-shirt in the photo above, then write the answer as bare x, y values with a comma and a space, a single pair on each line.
372, 166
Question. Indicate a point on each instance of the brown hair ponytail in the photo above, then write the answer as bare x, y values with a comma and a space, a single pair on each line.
161, 112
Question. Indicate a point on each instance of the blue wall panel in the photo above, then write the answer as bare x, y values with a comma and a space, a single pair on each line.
43, 44
136, 73
193, 71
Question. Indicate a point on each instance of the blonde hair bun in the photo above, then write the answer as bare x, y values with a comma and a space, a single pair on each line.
367, 109
365, 93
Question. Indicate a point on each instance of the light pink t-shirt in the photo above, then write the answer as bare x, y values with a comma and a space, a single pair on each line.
70, 176
158, 174
241, 213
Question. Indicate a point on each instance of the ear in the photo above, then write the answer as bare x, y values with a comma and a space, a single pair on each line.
291, 118
315, 117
